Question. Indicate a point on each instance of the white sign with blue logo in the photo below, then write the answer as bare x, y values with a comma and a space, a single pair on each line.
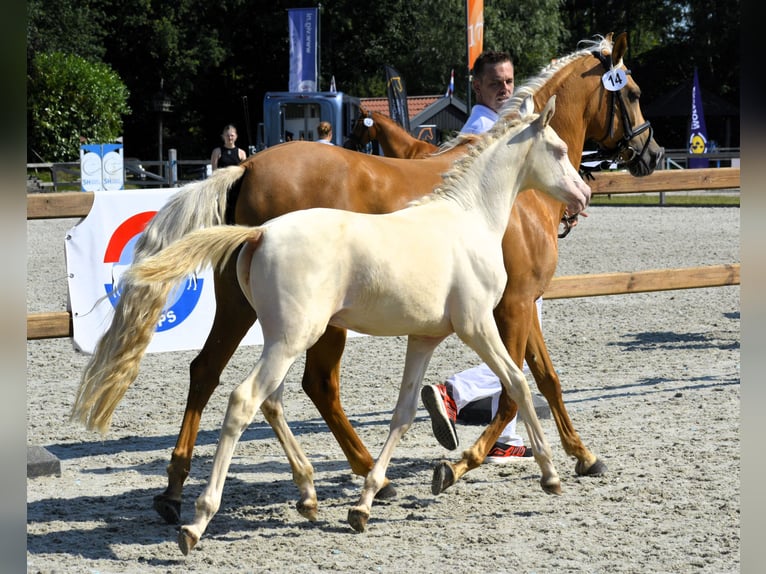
100, 248
101, 167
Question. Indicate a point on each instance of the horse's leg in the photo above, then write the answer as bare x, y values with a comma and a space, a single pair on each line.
321, 382
486, 341
303, 473
419, 352
233, 318
262, 381
548, 382
512, 317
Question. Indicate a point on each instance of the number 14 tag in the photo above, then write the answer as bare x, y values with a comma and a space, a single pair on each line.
614, 80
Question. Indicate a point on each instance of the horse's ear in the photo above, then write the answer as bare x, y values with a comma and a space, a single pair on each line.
548, 111
620, 47
527, 106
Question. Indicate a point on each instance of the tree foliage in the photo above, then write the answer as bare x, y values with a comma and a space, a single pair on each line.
72, 101
215, 61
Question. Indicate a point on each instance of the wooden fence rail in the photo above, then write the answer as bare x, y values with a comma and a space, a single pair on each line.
49, 325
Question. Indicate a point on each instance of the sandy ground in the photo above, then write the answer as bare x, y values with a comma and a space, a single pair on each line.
651, 381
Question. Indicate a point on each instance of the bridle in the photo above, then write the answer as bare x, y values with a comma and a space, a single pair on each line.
615, 101
354, 141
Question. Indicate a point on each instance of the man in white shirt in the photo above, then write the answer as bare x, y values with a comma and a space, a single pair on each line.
493, 84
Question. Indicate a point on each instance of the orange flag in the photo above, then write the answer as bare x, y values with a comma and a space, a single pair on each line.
475, 30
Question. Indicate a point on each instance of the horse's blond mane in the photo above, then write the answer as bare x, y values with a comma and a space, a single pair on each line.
508, 116
530, 87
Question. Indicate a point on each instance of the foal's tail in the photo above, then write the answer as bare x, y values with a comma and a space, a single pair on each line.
212, 246
115, 362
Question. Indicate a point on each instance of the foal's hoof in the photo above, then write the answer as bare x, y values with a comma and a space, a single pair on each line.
357, 518
386, 493
306, 510
169, 509
598, 468
186, 540
551, 487
443, 477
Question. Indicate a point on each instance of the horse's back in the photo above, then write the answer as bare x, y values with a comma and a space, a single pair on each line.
304, 175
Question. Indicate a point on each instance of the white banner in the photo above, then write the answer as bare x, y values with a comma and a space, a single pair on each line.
100, 248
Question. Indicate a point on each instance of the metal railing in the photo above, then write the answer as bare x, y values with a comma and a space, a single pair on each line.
66, 176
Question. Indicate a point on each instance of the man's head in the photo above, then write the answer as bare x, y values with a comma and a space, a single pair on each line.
493, 79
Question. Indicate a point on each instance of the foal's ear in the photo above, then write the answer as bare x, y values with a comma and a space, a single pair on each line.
548, 111
527, 107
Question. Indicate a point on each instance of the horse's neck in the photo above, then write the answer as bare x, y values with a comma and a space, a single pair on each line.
395, 140
569, 119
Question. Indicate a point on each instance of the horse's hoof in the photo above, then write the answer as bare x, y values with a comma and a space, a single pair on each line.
308, 511
169, 509
186, 540
598, 468
358, 518
386, 493
552, 488
443, 478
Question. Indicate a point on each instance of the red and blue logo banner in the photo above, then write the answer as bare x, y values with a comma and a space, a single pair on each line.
304, 48
697, 129
100, 249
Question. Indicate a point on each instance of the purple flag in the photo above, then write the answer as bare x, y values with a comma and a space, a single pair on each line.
697, 130
304, 60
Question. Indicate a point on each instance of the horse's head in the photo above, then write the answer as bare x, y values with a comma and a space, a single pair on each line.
622, 134
362, 133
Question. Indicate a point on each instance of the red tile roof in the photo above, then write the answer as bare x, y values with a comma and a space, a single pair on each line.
415, 104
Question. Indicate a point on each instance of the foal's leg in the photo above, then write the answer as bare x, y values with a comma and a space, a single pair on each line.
321, 382
419, 352
303, 473
548, 382
233, 318
512, 318
263, 380
485, 340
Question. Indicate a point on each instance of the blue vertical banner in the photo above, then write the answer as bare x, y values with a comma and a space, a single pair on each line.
304, 49
697, 129
397, 98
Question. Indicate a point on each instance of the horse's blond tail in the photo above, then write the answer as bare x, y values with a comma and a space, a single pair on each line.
115, 363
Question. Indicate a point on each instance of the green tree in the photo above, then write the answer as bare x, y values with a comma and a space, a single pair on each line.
70, 101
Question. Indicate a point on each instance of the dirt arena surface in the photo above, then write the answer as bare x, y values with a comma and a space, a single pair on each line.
651, 382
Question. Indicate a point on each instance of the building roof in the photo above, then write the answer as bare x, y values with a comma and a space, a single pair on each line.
415, 104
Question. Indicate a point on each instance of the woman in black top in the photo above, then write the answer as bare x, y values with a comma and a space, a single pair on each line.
228, 154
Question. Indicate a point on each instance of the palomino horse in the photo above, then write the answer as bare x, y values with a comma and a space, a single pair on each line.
300, 175
393, 138
426, 271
